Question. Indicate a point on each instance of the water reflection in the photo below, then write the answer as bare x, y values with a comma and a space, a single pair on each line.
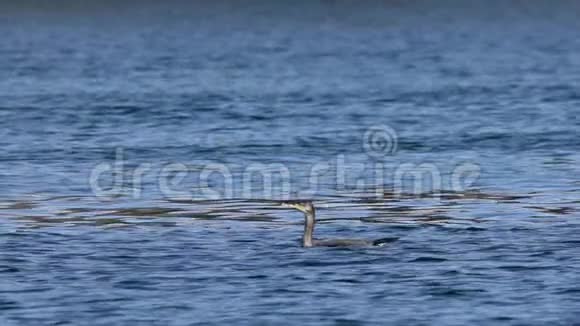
441, 208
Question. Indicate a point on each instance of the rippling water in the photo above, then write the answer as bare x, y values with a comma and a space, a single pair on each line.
198, 97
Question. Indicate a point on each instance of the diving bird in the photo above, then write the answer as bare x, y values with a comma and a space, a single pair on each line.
309, 211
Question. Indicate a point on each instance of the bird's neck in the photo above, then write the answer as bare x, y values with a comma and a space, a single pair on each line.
309, 220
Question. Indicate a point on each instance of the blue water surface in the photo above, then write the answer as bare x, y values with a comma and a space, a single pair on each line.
144, 147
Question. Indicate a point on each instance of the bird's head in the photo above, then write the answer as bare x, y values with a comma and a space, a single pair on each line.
305, 206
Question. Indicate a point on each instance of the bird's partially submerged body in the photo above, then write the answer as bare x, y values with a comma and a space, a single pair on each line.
352, 242
310, 219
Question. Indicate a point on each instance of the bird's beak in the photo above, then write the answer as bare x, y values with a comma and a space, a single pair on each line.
285, 204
